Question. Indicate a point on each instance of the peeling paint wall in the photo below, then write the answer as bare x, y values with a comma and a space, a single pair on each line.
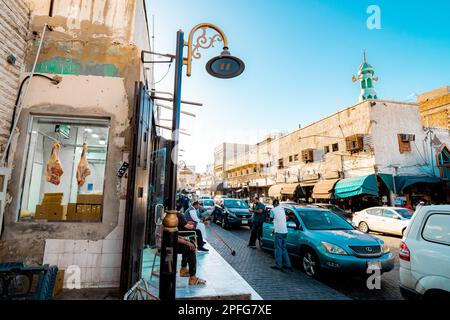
14, 23
90, 37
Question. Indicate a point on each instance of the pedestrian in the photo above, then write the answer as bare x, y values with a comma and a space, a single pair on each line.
281, 231
259, 216
184, 225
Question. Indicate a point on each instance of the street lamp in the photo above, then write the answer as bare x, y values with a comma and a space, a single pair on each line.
224, 66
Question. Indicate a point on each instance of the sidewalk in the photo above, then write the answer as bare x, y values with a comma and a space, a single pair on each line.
254, 266
223, 282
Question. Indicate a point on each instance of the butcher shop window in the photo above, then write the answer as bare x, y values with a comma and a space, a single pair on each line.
64, 169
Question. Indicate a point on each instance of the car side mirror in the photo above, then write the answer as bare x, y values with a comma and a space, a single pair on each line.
397, 218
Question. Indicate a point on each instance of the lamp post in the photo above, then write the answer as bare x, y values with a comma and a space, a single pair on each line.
224, 66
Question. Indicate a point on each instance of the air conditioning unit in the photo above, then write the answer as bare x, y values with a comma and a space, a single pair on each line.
407, 137
355, 143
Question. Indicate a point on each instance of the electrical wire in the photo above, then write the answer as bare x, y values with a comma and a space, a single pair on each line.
168, 69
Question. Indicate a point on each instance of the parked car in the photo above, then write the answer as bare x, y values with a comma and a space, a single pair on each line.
391, 220
325, 242
232, 212
425, 254
335, 209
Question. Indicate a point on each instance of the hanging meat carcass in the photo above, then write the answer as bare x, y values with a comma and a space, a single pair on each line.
83, 167
54, 167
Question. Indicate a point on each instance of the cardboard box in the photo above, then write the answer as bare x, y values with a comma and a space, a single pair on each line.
90, 199
72, 214
55, 198
39, 213
59, 283
93, 213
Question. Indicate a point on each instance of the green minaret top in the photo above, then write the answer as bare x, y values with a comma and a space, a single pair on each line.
366, 77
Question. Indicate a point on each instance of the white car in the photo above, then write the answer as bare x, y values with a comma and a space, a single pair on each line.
425, 254
392, 220
208, 205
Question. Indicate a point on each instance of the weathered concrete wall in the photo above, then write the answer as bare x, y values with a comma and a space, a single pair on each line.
390, 119
90, 37
14, 22
435, 108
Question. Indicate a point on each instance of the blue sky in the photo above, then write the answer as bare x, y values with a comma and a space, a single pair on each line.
300, 56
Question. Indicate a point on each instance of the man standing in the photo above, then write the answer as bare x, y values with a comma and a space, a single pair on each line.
280, 229
259, 215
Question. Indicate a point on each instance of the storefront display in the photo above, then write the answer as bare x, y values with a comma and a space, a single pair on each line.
69, 187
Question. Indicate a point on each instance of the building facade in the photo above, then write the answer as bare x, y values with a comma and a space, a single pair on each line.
372, 153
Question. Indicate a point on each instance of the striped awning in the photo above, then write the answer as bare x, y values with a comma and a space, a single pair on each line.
324, 189
275, 190
289, 188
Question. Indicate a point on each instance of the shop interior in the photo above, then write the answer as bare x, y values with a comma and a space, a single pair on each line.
65, 169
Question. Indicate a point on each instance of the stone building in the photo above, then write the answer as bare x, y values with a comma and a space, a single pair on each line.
435, 108
371, 153
87, 75
225, 155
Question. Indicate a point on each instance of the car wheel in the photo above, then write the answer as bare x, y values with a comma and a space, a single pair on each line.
310, 263
363, 227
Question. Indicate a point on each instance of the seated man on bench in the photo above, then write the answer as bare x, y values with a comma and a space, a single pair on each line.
188, 253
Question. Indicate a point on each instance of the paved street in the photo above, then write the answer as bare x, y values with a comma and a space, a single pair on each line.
253, 265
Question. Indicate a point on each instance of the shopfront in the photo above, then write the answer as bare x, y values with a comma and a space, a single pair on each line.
358, 193
68, 202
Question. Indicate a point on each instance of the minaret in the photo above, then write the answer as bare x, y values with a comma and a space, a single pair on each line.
366, 77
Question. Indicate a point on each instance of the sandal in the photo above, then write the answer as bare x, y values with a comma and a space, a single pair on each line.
184, 273
194, 281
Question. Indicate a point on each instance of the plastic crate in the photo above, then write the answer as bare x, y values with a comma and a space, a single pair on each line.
21, 282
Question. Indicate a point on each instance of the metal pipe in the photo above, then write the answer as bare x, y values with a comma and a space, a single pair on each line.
168, 269
171, 108
24, 95
182, 101
50, 10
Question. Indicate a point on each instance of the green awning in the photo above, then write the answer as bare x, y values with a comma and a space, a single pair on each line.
388, 180
357, 185
401, 182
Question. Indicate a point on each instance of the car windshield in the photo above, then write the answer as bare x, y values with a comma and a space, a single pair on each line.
208, 203
239, 204
323, 220
405, 213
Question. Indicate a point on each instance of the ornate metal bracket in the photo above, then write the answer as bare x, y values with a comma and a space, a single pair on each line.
202, 42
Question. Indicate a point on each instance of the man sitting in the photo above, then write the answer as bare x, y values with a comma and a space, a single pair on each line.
184, 225
192, 215
188, 257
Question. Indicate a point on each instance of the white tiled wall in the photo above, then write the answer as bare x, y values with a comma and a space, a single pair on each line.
99, 261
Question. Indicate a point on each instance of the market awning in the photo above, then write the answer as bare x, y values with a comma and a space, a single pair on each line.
275, 190
388, 180
308, 183
324, 189
217, 187
357, 185
401, 182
